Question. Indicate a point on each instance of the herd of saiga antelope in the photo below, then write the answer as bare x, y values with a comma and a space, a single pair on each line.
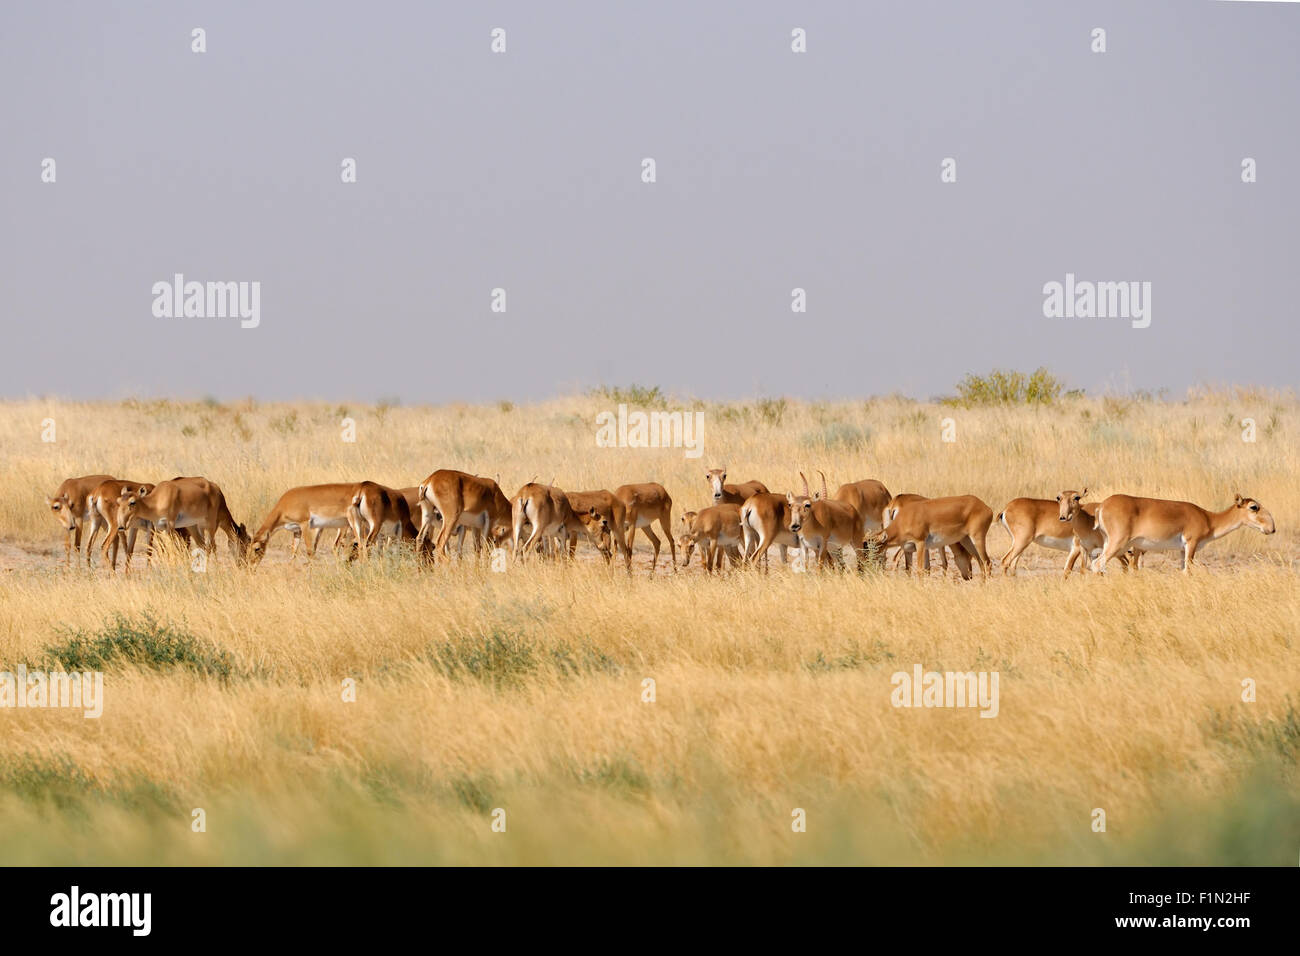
745, 521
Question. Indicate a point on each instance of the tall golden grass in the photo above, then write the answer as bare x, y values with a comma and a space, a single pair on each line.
524, 690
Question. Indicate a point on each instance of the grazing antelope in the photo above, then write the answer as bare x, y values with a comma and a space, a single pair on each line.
311, 508
822, 524
1156, 524
724, 493
905, 553
938, 523
1065, 524
425, 512
375, 508
868, 497
714, 530
103, 514
462, 500
193, 503
547, 509
70, 504
642, 504
601, 514
411, 496
764, 521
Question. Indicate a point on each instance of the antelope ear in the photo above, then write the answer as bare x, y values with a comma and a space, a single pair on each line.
1239, 500
789, 497
1084, 493
143, 491
592, 512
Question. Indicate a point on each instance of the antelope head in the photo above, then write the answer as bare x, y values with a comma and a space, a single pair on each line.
716, 477
1071, 502
61, 508
1254, 515
800, 506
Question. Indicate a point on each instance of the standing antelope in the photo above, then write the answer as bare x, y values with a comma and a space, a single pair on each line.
714, 530
103, 514
1156, 524
193, 503
822, 524
1066, 524
463, 501
764, 521
642, 504
70, 504
724, 493
939, 523
547, 509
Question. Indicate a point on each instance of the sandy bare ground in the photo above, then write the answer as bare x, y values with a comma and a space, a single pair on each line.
27, 556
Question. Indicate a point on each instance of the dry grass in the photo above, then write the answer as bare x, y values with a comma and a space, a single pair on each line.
523, 690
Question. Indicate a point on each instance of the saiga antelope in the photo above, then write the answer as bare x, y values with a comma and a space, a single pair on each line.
642, 504
70, 505
868, 497
822, 524
311, 508
601, 513
103, 514
411, 496
375, 508
194, 503
725, 494
547, 509
1156, 524
906, 552
463, 500
713, 530
941, 522
1066, 524
764, 521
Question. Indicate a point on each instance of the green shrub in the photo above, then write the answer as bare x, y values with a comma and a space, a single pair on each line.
630, 394
142, 642
499, 658
505, 658
1002, 387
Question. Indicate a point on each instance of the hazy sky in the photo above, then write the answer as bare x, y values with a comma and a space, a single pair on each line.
522, 170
